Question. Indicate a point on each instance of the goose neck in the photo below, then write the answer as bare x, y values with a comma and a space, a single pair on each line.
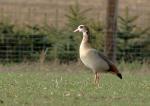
86, 37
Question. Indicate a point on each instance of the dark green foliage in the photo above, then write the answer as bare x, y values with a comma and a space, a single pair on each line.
68, 51
25, 43
97, 32
61, 43
130, 38
64, 46
18, 45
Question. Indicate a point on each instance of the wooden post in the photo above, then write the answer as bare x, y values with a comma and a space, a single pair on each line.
111, 29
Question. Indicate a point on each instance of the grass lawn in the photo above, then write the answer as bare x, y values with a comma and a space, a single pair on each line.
66, 88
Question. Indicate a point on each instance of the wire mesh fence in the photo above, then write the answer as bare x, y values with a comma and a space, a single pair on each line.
50, 36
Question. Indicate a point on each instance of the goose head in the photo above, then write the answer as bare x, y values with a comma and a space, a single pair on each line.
82, 28
86, 33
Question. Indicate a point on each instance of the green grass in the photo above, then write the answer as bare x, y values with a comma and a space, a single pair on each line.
68, 88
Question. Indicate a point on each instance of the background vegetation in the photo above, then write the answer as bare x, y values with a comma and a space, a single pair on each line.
28, 42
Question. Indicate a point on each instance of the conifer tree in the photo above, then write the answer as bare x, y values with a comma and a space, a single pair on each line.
130, 37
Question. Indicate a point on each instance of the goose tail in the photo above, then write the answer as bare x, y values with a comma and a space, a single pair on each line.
119, 75
114, 70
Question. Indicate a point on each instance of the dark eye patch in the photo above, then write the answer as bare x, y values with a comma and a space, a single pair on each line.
81, 26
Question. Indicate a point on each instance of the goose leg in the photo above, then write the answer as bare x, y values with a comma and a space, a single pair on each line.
96, 79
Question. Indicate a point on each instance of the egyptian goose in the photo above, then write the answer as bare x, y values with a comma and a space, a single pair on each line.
93, 59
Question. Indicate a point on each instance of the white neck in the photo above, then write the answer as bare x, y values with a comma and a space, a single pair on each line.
85, 38
85, 42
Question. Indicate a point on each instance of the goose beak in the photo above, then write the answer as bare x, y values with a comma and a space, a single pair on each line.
76, 30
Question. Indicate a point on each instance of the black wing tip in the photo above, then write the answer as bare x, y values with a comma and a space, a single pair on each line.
119, 75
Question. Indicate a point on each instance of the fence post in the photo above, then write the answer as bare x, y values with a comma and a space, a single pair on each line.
111, 29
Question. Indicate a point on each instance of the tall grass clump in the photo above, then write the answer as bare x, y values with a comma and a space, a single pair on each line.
134, 67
